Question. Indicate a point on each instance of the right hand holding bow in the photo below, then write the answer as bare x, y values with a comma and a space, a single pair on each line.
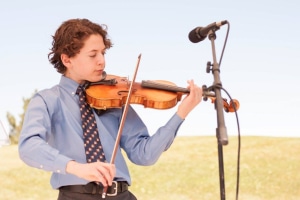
95, 172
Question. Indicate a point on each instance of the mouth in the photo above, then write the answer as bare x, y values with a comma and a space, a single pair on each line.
101, 73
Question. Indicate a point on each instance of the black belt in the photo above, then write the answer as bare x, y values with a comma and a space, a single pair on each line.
117, 187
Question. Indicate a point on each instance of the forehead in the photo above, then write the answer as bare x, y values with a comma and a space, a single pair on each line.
93, 42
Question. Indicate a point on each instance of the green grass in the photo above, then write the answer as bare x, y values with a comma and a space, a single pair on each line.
189, 170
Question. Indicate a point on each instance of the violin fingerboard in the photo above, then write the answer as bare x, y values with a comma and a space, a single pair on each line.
163, 86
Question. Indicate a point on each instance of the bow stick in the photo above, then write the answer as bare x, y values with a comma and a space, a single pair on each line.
112, 160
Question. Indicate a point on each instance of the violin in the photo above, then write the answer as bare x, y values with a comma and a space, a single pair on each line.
112, 92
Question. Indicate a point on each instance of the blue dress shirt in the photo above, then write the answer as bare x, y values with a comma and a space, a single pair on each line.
52, 136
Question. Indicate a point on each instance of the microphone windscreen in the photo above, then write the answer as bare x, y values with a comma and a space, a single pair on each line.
194, 36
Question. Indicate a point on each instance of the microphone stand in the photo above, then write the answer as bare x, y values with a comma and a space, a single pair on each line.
221, 131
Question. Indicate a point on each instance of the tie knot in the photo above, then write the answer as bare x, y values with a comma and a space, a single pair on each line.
79, 90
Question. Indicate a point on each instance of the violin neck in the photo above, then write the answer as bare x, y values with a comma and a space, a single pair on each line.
163, 86
112, 81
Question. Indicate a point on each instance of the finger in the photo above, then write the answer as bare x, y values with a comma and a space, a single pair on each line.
193, 87
102, 180
105, 170
190, 83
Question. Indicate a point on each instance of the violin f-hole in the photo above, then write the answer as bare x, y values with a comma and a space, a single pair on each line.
125, 91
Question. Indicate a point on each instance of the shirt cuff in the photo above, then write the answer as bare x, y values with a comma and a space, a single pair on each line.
60, 164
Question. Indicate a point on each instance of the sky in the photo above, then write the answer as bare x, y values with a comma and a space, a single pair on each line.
260, 65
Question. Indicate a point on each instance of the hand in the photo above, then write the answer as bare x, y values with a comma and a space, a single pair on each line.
191, 100
94, 172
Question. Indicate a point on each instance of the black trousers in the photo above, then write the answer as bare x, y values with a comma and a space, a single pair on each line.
67, 195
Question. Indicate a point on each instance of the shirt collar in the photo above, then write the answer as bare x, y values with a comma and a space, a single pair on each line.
68, 84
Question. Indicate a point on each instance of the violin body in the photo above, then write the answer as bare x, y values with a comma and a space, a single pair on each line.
102, 96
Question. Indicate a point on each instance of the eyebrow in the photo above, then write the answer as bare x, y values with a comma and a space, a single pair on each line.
95, 50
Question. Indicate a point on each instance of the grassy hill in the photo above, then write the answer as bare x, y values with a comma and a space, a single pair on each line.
269, 170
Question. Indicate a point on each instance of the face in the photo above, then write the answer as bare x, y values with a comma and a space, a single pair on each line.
89, 63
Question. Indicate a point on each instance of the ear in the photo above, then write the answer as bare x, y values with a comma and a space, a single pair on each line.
65, 60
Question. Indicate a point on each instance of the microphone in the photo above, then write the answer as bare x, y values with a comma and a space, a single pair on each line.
200, 33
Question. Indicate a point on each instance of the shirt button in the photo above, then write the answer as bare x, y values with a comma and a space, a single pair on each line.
58, 171
41, 166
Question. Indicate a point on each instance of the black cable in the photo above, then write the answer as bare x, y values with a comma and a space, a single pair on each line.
239, 145
225, 42
237, 119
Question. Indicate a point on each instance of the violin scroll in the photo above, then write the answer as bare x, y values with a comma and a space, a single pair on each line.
232, 106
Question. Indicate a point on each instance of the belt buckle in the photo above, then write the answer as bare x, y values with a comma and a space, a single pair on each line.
114, 188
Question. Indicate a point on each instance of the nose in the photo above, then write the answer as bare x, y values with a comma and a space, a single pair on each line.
100, 59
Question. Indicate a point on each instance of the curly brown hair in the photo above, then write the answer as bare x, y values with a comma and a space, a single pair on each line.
69, 38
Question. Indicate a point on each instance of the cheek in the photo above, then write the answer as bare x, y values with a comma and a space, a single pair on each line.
80, 67
83, 64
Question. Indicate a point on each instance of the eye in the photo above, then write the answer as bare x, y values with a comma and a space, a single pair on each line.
92, 55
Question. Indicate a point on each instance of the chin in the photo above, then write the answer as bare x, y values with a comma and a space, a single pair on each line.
95, 79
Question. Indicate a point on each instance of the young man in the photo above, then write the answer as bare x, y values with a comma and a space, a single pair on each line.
53, 135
